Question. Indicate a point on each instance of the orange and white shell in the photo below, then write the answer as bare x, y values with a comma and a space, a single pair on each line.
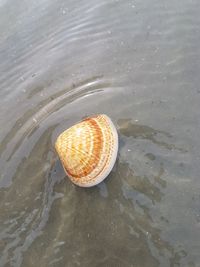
88, 150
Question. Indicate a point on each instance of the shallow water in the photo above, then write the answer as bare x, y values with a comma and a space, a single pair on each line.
138, 62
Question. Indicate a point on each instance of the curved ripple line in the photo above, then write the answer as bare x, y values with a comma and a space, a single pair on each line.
18, 132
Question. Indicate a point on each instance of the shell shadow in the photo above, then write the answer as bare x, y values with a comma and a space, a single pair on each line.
137, 131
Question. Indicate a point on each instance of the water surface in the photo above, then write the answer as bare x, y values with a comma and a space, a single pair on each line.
136, 61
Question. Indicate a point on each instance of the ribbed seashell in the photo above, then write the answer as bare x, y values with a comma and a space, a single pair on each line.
88, 150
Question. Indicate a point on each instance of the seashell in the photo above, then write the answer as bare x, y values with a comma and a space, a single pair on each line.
88, 150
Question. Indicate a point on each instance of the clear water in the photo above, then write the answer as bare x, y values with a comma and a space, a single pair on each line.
138, 62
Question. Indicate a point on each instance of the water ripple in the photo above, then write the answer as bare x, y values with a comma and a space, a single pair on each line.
32, 119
